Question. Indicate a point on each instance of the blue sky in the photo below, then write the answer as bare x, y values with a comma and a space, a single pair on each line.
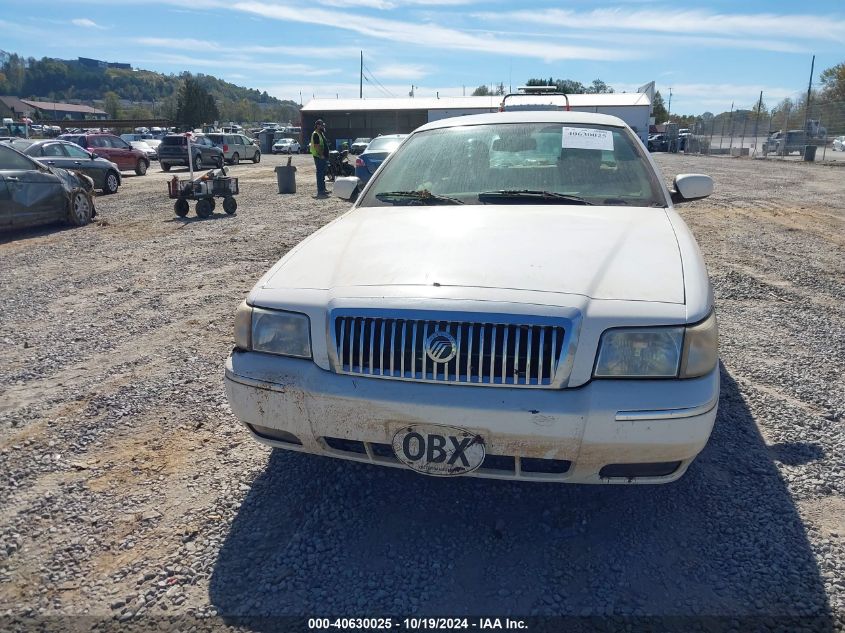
709, 53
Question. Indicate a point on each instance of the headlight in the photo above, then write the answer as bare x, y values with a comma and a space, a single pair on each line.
659, 352
701, 348
640, 353
273, 331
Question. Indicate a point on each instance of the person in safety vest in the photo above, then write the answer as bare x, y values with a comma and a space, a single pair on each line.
319, 147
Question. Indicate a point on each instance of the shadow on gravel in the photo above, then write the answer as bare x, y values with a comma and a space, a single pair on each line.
193, 218
724, 545
13, 235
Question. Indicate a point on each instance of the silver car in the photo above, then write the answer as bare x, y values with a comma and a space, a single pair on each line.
236, 147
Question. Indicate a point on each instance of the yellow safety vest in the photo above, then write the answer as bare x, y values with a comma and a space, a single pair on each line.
318, 150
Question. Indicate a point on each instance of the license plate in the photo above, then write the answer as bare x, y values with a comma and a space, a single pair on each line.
442, 451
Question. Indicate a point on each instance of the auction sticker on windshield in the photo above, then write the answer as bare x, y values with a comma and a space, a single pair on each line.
441, 451
587, 138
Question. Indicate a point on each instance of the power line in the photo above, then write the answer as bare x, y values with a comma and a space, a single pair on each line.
376, 80
367, 79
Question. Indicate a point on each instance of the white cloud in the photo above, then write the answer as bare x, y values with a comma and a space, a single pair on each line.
792, 27
243, 63
392, 4
410, 72
189, 44
429, 34
86, 23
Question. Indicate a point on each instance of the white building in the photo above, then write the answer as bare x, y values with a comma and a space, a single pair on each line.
347, 119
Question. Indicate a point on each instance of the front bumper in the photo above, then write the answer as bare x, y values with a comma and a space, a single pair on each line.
603, 423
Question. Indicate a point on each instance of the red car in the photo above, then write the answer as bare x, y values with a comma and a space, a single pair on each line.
112, 148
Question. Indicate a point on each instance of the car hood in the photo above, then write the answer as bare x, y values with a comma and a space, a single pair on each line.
601, 252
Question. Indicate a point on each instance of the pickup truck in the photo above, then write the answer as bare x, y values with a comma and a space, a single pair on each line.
783, 143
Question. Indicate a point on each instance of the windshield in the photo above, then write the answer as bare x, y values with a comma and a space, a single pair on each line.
384, 144
596, 164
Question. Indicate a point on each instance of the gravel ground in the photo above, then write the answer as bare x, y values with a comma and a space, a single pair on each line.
129, 490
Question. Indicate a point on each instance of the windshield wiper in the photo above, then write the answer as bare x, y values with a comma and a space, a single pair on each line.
532, 196
423, 197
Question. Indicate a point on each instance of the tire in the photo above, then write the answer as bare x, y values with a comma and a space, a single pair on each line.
165, 167
213, 203
181, 207
111, 183
141, 167
230, 205
204, 208
256, 158
81, 208
236, 160
198, 163
220, 162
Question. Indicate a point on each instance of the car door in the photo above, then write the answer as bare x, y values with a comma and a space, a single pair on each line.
100, 146
250, 150
54, 155
5, 203
34, 194
121, 152
77, 158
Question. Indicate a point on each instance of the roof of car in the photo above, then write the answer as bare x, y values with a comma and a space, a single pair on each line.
526, 116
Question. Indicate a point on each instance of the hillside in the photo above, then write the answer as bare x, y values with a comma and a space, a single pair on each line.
141, 93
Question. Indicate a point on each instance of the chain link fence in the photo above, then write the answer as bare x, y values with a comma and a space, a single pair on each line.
788, 130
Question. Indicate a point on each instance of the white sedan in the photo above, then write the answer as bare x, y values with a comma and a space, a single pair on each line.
512, 295
286, 146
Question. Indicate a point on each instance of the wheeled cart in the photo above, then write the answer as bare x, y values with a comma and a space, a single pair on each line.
213, 184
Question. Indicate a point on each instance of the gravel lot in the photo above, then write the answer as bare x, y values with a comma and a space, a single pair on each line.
129, 490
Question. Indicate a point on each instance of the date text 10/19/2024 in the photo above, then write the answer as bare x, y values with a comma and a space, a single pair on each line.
417, 624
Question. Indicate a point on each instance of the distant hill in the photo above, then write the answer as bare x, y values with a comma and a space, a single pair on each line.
140, 93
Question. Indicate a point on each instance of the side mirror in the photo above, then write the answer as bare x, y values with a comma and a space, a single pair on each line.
92, 155
691, 187
347, 188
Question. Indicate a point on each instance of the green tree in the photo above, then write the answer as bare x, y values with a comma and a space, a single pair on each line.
599, 87
111, 104
658, 109
194, 105
482, 91
833, 80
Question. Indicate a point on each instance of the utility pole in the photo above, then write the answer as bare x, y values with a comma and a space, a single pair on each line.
361, 78
809, 88
757, 120
669, 110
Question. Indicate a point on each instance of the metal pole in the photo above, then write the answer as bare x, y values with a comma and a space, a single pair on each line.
669, 109
809, 88
190, 158
731, 125
361, 78
757, 120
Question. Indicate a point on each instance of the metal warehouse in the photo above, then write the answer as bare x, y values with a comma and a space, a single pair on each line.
347, 119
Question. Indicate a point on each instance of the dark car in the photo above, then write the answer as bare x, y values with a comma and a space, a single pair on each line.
67, 155
174, 151
32, 193
377, 150
112, 148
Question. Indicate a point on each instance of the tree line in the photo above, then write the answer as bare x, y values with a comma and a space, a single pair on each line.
151, 94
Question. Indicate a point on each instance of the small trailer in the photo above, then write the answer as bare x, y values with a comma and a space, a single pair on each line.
204, 189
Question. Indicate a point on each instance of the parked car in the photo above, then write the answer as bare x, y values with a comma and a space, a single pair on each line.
112, 148
236, 147
783, 143
286, 146
33, 194
839, 144
174, 151
359, 145
143, 146
374, 155
559, 326
56, 153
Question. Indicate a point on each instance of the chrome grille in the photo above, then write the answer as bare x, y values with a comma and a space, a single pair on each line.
519, 352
